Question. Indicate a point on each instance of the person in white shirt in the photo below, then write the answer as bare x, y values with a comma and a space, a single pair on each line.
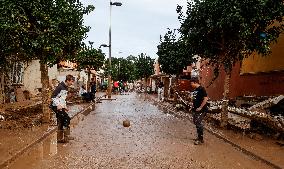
86, 95
59, 106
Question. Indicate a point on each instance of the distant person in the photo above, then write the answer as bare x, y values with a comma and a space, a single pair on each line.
93, 88
98, 85
121, 87
131, 87
194, 72
87, 96
200, 108
161, 91
59, 106
116, 86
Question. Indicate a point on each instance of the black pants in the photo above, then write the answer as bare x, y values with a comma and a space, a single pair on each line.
88, 96
63, 119
197, 120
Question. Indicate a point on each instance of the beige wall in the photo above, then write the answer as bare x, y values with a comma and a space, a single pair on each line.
62, 74
156, 66
32, 77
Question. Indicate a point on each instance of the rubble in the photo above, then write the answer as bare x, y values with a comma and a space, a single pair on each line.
267, 103
258, 112
234, 120
241, 116
23, 115
2, 118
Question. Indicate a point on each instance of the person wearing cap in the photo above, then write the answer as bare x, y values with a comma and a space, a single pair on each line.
59, 106
199, 109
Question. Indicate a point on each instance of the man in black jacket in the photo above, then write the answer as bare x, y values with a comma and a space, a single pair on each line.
59, 106
199, 108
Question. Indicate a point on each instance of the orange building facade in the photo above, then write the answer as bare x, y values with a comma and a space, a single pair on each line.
256, 75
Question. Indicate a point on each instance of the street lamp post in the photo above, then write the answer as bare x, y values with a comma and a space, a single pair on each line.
109, 46
109, 74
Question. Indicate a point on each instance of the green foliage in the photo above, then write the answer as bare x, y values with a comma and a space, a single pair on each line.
144, 66
173, 54
130, 69
89, 58
113, 70
226, 31
122, 69
48, 30
126, 69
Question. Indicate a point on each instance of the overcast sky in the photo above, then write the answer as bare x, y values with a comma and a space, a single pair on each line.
136, 25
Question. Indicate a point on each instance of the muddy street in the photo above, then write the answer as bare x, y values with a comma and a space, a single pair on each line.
153, 140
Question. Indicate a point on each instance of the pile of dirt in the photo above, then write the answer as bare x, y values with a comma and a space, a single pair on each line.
20, 116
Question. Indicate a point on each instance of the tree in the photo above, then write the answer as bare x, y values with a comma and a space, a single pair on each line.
131, 60
9, 35
173, 54
48, 30
226, 31
121, 68
90, 59
144, 67
113, 69
126, 69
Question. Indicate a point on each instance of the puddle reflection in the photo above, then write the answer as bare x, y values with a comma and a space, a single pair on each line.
42, 151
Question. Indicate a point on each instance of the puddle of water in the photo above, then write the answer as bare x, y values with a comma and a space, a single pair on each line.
41, 151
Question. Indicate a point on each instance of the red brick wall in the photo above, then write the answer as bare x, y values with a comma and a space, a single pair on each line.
262, 84
184, 85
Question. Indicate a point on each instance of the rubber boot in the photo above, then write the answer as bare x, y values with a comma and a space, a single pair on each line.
67, 134
60, 137
199, 140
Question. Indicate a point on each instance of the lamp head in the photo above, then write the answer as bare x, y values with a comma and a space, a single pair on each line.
104, 45
116, 3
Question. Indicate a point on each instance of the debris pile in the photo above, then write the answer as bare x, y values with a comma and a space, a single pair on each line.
21, 116
267, 103
268, 112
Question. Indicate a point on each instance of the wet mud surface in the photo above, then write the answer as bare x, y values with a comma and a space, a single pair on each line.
15, 139
263, 146
20, 115
153, 140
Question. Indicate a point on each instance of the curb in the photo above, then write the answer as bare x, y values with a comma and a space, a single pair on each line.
238, 147
44, 136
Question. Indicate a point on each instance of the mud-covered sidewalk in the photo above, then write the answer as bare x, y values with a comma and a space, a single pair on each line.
14, 142
258, 146
154, 139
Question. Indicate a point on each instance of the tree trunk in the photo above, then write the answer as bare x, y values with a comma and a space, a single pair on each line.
176, 89
45, 92
166, 87
224, 113
2, 91
89, 80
